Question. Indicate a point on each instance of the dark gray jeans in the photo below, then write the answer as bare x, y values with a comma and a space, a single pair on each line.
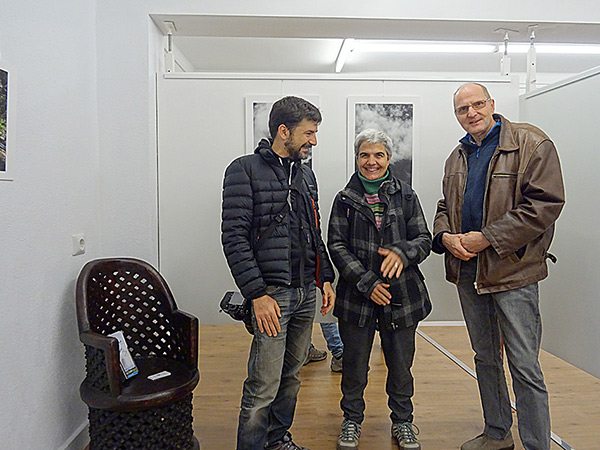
398, 350
514, 317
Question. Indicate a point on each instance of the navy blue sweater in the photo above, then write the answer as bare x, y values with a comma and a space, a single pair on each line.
478, 161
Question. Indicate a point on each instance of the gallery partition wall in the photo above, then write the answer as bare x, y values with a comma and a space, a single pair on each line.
568, 112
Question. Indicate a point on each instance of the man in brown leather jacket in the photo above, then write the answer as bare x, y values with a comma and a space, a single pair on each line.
502, 193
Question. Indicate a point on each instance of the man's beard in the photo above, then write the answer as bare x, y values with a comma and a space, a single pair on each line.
296, 153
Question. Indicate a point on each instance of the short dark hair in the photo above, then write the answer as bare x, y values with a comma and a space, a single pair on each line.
290, 111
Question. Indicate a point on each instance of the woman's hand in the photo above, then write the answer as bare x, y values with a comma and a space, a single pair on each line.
391, 265
381, 295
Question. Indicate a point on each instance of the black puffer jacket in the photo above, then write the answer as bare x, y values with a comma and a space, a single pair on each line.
255, 191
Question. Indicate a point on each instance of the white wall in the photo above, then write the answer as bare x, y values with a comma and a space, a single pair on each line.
84, 162
569, 297
126, 122
55, 191
201, 130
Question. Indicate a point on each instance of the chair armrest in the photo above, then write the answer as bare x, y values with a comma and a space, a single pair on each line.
188, 327
110, 347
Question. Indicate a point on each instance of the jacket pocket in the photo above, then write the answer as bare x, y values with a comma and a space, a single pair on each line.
521, 254
504, 186
516, 257
273, 289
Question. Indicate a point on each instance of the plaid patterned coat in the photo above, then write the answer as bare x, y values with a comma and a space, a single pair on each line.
353, 241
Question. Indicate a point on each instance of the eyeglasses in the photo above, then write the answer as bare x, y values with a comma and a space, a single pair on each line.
462, 110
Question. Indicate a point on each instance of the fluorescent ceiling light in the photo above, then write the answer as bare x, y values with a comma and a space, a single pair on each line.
381, 46
558, 49
424, 47
345, 49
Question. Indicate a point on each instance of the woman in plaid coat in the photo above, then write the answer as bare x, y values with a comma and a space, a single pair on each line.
377, 237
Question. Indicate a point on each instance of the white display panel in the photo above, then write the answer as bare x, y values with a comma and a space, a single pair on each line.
567, 112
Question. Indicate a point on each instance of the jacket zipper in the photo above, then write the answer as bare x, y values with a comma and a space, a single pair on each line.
484, 213
462, 200
359, 207
368, 212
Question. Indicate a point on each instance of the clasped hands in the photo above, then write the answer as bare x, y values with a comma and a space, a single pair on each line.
465, 245
391, 266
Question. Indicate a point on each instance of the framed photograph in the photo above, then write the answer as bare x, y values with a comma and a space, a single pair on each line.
258, 108
395, 116
7, 123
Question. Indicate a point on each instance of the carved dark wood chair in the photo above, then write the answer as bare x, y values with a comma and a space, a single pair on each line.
129, 295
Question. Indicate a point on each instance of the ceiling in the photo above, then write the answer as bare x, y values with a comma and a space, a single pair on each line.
217, 43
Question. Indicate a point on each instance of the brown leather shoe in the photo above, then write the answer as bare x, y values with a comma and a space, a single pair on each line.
484, 442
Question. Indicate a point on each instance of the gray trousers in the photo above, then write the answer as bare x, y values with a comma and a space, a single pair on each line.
514, 317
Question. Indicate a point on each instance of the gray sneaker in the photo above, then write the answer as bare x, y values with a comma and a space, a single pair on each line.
406, 435
349, 436
336, 364
484, 442
314, 354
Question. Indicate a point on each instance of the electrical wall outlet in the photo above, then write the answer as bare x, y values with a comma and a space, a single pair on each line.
78, 245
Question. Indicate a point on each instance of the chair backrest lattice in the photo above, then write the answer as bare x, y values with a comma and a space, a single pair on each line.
130, 296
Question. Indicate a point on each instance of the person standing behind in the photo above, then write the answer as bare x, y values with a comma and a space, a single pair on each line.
332, 337
502, 193
278, 270
376, 238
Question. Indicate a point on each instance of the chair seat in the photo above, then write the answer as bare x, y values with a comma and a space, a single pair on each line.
139, 392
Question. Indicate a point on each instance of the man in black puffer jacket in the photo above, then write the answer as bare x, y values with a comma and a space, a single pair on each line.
276, 266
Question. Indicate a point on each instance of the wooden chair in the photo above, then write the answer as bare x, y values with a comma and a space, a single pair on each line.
131, 296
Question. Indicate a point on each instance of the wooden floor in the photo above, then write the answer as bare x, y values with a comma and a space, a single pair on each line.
447, 408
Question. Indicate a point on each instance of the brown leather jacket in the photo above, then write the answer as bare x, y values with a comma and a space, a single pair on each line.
524, 196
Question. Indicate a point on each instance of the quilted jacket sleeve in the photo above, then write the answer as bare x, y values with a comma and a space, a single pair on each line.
236, 226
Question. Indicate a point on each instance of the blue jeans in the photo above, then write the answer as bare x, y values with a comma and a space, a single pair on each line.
514, 317
271, 389
332, 337
398, 350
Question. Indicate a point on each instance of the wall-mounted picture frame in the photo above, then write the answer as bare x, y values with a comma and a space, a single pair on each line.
7, 122
257, 119
258, 108
398, 118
